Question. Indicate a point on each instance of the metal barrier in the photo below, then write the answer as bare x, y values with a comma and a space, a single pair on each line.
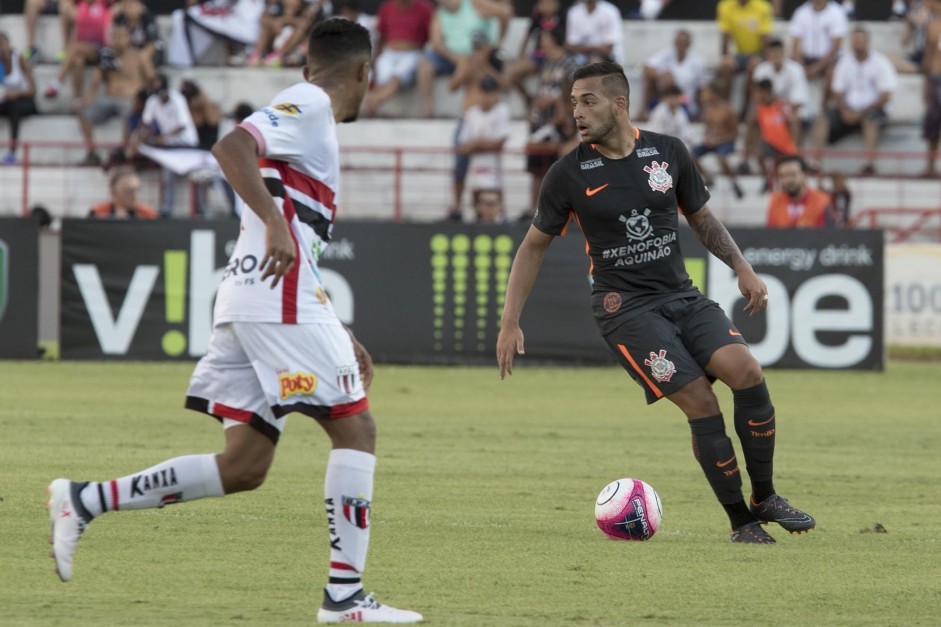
416, 184
902, 223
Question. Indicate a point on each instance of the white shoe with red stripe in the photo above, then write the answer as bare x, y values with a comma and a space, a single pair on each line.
363, 608
69, 521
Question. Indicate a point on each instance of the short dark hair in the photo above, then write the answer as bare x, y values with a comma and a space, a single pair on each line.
774, 42
337, 41
765, 85
612, 77
799, 160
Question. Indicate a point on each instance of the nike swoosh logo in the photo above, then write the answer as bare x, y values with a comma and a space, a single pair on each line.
734, 333
591, 192
726, 462
752, 423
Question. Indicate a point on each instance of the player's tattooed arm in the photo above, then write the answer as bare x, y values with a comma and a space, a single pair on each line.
715, 237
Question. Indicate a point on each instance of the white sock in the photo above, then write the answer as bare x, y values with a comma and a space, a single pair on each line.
348, 497
179, 479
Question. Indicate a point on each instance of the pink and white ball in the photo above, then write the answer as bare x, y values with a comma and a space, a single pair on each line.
628, 509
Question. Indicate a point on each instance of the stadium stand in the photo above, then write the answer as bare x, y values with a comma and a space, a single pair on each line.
394, 163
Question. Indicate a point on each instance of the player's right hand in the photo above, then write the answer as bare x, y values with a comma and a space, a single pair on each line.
280, 251
509, 343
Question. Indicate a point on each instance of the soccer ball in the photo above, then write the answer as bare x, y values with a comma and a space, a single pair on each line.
628, 509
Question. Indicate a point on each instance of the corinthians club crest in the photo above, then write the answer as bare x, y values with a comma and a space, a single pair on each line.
637, 225
660, 179
661, 368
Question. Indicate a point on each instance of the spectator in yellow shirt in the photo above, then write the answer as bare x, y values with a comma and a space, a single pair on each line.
747, 23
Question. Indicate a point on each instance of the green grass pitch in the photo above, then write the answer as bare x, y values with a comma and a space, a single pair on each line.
483, 506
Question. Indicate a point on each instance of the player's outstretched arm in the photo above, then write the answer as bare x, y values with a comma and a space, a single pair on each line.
526, 266
237, 154
715, 237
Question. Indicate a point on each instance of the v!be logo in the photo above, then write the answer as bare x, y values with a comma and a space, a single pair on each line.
4, 276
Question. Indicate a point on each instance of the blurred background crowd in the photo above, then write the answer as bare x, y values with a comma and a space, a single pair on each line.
766, 93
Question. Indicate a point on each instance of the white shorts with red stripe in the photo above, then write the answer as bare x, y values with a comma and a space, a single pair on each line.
257, 373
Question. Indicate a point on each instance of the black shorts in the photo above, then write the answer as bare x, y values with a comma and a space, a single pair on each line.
667, 347
839, 129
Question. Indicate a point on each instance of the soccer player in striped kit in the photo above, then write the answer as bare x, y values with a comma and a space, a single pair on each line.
277, 345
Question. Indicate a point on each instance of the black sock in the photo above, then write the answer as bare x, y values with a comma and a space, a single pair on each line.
714, 452
755, 426
739, 514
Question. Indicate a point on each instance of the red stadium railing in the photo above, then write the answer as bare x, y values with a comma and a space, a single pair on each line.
414, 183
902, 223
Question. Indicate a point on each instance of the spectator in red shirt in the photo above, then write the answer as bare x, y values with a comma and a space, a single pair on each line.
125, 185
92, 22
796, 205
403, 29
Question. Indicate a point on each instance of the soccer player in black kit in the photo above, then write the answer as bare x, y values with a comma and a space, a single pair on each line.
625, 189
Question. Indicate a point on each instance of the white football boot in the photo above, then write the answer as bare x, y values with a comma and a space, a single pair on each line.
363, 608
69, 520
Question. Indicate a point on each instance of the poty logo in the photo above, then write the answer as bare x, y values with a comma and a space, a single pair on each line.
297, 384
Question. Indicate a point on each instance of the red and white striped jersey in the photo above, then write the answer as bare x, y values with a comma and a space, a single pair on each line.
299, 162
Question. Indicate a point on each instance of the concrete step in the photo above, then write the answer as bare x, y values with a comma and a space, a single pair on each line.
57, 142
641, 38
229, 85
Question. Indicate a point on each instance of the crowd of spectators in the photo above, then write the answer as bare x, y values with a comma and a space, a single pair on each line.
766, 100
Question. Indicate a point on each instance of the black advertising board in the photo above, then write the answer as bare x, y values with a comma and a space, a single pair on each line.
140, 290
19, 288
433, 293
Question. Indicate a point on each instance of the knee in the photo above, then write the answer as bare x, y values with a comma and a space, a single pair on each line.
239, 475
748, 375
356, 432
697, 400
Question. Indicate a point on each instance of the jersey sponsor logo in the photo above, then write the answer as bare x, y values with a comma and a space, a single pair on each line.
591, 192
648, 250
659, 179
271, 115
650, 151
297, 384
612, 302
356, 511
240, 266
591, 164
287, 107
734, 333
321, 295
637, 225
661, 368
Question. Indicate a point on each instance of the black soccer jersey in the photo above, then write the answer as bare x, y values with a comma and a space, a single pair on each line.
627, 209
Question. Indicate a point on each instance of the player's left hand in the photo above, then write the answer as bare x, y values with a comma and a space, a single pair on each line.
365, 362
754, 289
